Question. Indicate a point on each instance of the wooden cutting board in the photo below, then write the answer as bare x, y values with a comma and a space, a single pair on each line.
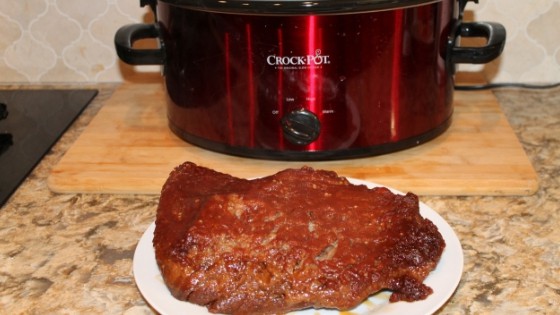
128, 148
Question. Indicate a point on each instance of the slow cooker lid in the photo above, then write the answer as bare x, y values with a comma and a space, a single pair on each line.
280, 7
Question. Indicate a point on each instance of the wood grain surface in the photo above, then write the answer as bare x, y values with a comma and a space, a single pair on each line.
128, 148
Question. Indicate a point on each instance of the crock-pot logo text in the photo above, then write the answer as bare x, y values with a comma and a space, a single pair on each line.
299, 62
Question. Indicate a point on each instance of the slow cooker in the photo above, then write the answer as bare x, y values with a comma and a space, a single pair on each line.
308, 80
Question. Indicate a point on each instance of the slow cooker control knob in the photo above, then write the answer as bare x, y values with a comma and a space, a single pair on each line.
301, 127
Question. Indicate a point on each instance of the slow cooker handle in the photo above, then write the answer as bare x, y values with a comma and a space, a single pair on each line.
125, 38
495, 35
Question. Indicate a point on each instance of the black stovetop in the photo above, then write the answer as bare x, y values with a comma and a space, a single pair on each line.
31, 121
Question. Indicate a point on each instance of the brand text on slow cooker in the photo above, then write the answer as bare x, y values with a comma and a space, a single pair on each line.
307, 60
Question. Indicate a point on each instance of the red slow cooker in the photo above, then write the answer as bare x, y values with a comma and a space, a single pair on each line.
309, 80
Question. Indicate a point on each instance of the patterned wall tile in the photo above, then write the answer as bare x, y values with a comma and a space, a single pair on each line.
23, 12
533, 40
544, 29
72, 40
83, 11
10, 31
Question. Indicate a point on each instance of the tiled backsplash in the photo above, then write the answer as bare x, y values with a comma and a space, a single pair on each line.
72, 40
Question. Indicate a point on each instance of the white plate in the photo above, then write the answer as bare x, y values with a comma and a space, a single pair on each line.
443, 280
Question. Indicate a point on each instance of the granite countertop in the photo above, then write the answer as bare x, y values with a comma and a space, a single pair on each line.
72, 253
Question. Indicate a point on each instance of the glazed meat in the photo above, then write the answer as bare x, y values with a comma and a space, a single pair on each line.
297, 239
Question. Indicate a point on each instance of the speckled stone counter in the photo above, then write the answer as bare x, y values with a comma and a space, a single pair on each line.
72, 253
